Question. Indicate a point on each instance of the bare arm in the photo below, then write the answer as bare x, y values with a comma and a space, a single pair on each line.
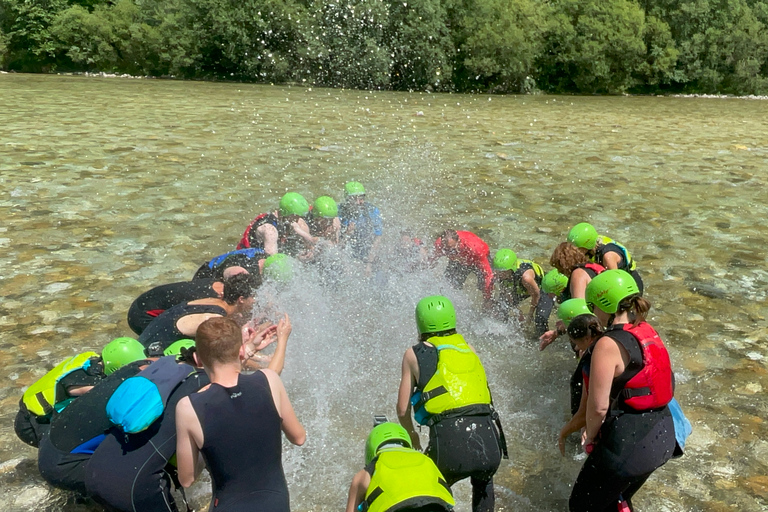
605, 365
407, 382
357, 490
529, 283
283, 332
292, 428
579, 281
189, 439
611, 260
576, 423
78, 390
268, 234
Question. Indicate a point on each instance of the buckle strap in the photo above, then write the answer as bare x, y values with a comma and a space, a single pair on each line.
365, 505
47, 408
426, 396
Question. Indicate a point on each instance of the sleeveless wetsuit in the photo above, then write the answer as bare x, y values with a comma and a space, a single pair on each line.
464, 446
163, 328
130, 473
246, 258
245, 463
630, 446
79, 428
151, 304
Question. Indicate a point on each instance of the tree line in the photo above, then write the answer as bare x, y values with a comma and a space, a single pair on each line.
504, 46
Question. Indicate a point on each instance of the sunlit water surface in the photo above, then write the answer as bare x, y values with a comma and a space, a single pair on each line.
111, 186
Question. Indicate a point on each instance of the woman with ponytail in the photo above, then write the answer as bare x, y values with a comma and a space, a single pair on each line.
629, 431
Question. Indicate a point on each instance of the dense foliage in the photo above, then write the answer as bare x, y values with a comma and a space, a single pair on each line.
582, 46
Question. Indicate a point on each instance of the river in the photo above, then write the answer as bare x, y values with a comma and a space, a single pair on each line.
111, 186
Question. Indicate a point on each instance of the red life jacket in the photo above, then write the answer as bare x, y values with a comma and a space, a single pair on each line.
594, 267
260, 220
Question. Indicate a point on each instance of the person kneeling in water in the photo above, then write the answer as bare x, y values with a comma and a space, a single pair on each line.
212, 423
397, 477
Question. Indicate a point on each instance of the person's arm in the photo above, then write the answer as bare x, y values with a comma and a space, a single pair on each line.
336, 229
576, 423
611, 260
292, 428
483, 264
357, 490
268, 235
78, 390
579, 281
301, 228
548, 337
189, 439
407, 382
529, 283
283, 332
606, 361
437, 252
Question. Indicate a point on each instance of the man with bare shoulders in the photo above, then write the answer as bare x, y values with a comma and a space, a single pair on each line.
181, 321
235, 425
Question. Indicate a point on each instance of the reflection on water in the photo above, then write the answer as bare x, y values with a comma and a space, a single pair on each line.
112, 186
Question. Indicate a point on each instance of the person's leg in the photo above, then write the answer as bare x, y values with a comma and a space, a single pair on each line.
27, 426
635, 484
597, 488
483, 499
543, 311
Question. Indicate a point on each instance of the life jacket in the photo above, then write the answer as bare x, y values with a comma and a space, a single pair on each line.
260, 220
593, 269
403, 478
140, 400
627, 263
458, 387
250, 252
516, 283
651, 386
40, 398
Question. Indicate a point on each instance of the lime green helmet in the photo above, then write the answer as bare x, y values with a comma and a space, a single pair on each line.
554, 282
505, 259
609, 288
435, 314
326, 207
572, 308
120, 352
383, 434
174, 349
293, 203
278, 267
354, 188
583, 235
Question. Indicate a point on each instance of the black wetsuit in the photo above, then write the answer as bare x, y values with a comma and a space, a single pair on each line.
519, 293
130, 472
79, 428
245, 463
462, 446
151, 304
630, 444
163, 329
246, 258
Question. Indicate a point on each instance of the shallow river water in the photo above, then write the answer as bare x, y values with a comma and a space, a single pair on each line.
111, 186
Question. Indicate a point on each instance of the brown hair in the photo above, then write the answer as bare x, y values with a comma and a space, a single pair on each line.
240, 285
583, 325
218, 340
637, 306
566, 257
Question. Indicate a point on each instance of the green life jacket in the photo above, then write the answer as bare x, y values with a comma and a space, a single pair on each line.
516, 283
458, 383
40, 398
404, 478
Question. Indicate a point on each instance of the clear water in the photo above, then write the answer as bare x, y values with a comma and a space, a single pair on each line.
111, 186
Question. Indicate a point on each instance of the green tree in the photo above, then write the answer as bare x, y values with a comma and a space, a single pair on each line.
26, 24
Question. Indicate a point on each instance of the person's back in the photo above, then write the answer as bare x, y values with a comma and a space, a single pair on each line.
152, 303
234, 455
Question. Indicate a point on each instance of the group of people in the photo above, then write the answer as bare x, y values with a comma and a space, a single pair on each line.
151, 412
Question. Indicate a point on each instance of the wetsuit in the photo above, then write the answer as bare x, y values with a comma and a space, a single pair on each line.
367, 226
77, 431
519, 293
151, 304
245, 463
592, 269
163, 329
288, 242
627, 263
461, 446
630, 446
130, 472
246, 258
471, 255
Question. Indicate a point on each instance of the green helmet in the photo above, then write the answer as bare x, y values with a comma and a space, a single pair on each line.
174, 349
278, 267
583, 235
435, 314
609, 288
572, 308
354, 188
505, 259
382, 434
293, 203
120, 352
554, 282
326, 207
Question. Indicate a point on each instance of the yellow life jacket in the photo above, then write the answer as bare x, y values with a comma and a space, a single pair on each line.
404, 478
40, 397
459, 381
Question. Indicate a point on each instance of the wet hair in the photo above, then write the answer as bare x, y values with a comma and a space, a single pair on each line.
426, 335
566, 257
584, 325
218, 340
240, 285
449, 234
637, 307
187, 355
